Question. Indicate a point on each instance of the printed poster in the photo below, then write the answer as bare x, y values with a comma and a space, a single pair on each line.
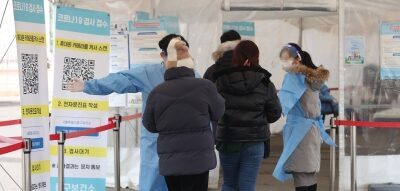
390, 50
354, 50
32, 65
143, 47
119, 61
143, 41
82, 51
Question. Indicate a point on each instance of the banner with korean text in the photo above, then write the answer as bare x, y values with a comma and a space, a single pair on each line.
32, 63
244, 28
82, 51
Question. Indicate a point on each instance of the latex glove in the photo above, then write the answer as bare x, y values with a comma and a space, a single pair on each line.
171, 50
76, 85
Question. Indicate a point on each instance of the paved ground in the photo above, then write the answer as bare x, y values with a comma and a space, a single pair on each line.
266, 182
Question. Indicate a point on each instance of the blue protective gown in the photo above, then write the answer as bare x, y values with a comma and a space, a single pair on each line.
140, 78
297, 126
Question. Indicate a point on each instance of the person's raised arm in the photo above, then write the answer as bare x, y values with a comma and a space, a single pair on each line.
128, 81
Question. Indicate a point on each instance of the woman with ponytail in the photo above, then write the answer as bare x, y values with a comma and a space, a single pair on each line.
251, 102
303, 132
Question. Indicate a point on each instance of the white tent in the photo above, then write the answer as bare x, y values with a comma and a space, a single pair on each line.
320, 26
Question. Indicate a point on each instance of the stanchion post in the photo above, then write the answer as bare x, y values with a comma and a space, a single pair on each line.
353, 154
27, 164
332, 181
117, 154
61, 142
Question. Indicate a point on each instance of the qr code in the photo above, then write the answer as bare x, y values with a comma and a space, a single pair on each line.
30, 73
77, 68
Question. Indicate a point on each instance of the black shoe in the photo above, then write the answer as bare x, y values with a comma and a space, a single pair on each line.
302, 188
312, 187
307, 188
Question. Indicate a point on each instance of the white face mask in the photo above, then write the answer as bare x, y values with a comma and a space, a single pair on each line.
286, 64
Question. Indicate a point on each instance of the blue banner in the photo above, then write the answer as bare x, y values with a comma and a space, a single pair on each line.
390, 73
390, 28
92, 184
31, 11
243, 28
74, 129
37, 143
83, 21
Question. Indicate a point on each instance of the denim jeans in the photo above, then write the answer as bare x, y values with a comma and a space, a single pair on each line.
240, 169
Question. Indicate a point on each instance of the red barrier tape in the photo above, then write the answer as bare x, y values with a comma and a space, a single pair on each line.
72, 135
11, 148
10, 140
54, 137
90, 131
84, 132
110, 119
10, 122
130, 117
18, 121
126, 118
367, 124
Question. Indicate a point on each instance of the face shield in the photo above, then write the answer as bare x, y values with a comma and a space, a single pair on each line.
287, 56
289, 52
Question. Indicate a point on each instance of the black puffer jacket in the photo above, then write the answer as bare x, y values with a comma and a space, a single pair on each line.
251, 103
180, 110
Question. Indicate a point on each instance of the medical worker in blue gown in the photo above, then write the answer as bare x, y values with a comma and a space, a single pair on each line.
303, 132
139, 78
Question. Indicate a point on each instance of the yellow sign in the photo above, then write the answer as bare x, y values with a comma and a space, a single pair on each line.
30, 38
28, 111
83, 46
40, 167
78, 151
87, 105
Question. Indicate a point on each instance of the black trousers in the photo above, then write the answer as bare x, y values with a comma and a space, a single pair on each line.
197, 182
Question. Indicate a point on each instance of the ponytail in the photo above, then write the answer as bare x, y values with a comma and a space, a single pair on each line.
307, 61
305, 57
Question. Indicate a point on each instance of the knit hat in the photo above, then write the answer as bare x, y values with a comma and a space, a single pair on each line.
230, 35
163, 43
